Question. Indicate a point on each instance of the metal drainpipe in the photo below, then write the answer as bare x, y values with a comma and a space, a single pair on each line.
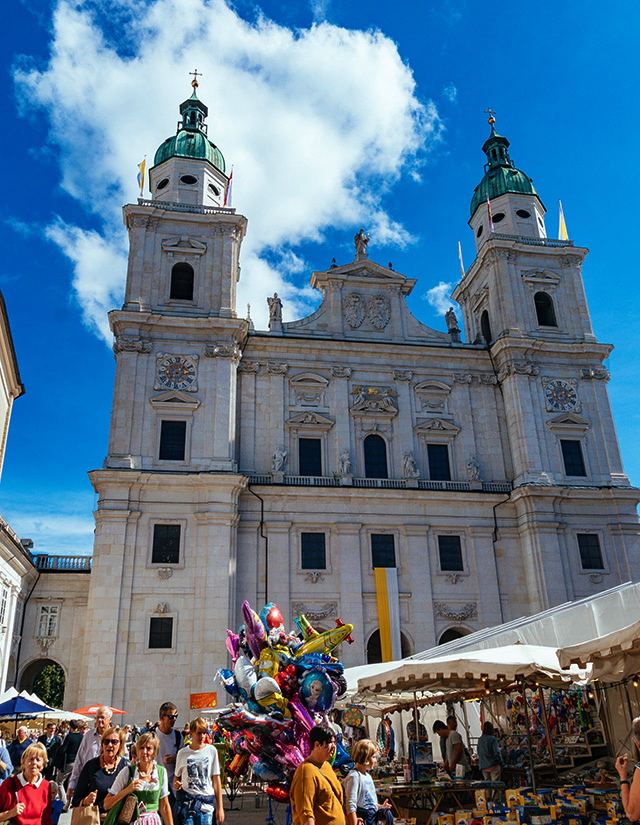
24, 615
266, 545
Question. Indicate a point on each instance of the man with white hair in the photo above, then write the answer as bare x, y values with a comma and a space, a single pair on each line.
19, 745
90, 745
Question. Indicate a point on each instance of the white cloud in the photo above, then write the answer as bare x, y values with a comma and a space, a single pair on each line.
450, 91
440, 297
59, 525
317, 122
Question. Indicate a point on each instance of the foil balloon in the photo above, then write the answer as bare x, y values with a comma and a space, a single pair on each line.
238, 765
267, 771
271, 617
245, 675
317, 691
279, 793
254, 630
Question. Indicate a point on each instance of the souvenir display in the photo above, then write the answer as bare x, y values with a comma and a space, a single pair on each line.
281, 685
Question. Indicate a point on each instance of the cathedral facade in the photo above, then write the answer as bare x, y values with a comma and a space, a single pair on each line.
354, 464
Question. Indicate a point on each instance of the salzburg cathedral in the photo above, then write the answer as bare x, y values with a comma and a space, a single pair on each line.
354, 465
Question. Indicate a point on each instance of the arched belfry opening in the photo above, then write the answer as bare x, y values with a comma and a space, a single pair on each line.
182, 277
545, 311
485, 327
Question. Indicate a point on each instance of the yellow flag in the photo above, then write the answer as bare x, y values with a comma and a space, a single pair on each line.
141, 170
562, 226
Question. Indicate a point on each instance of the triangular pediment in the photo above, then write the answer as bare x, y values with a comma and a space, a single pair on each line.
436, 425
569, 422
174, 398
309, 419
362, 273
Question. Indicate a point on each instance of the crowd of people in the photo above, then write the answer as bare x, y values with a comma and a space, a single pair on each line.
106, 772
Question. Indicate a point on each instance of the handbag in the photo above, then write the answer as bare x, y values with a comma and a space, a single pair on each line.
129, 810
85, 815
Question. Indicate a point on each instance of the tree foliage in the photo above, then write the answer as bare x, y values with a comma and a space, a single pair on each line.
49, 685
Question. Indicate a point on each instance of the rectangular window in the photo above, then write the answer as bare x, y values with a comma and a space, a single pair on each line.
383, 550
48, 624
310, 456
438, 455
572, 457
161, 632
173, 438
590, 552
450, 551
166, 544
314, 552
4, 597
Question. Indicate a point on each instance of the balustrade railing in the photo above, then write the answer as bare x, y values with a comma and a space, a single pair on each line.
63, 564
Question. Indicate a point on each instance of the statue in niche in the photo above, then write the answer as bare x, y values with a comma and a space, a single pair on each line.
275, 309
473, 469
345, 463
279, 459
409, 466
361, 240
452, 321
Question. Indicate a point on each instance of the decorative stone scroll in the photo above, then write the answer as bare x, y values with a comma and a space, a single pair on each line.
327, 611
129, 343
341, 372
467, 611
403, 375
249, 366
314, 576
595, 373
277, 369
462, 378
223, 349
519, 368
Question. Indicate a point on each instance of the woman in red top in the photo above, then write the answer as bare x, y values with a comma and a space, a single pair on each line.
26, 798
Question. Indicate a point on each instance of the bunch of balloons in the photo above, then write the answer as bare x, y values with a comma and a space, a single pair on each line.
282, 685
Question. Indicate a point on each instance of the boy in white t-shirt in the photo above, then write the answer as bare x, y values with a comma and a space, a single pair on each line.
197, 780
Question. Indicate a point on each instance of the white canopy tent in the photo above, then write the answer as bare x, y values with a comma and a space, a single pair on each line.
613, 657
471, 670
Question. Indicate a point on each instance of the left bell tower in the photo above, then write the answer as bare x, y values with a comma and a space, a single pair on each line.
168, 489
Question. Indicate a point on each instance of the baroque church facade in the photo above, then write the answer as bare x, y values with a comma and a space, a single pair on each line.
483, 479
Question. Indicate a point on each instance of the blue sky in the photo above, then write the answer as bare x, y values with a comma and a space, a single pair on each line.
334, 115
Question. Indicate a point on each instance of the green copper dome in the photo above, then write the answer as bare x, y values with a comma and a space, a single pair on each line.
190, 140
500, 175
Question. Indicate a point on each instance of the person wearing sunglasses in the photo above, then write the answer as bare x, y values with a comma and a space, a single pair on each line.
170, 743
99, 774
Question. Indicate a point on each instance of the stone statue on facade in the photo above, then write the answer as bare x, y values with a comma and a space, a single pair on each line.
361, 240
275, 309
345, 463
473, 469
409, 466
279, 459
452, 321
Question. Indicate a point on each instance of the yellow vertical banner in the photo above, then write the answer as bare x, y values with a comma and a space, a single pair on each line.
388, 612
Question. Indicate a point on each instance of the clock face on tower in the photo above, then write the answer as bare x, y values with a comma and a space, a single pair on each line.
561, 396
176, 372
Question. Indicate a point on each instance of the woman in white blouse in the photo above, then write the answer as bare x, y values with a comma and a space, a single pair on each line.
147, 781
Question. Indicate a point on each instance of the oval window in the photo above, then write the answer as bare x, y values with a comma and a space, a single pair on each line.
479, 231
522, 213
499, 217
214, 189
189, 179
164, 182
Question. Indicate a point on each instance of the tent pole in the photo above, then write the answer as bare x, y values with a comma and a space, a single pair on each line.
547, 729
529, 742
466, 723
415, 715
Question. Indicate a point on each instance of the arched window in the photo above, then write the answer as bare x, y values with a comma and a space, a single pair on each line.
374, 648
485, 327
182, 282
544, 310
375, 457
450, 634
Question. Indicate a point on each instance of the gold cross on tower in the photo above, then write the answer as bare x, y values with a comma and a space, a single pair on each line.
195, 74
491, 114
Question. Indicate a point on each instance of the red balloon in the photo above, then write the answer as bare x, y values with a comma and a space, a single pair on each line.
279, 793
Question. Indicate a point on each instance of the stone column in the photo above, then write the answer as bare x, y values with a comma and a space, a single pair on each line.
346, 562
417, 579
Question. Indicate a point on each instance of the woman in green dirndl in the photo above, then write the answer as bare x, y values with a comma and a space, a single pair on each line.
147, 781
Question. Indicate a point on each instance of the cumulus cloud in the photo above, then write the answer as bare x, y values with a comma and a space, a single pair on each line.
319, 123
439, 297
59, 525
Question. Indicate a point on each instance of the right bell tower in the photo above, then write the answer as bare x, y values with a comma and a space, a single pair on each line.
523, 300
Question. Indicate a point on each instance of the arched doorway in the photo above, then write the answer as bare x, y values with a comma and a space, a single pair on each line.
46, 679
374, 648
450, 634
